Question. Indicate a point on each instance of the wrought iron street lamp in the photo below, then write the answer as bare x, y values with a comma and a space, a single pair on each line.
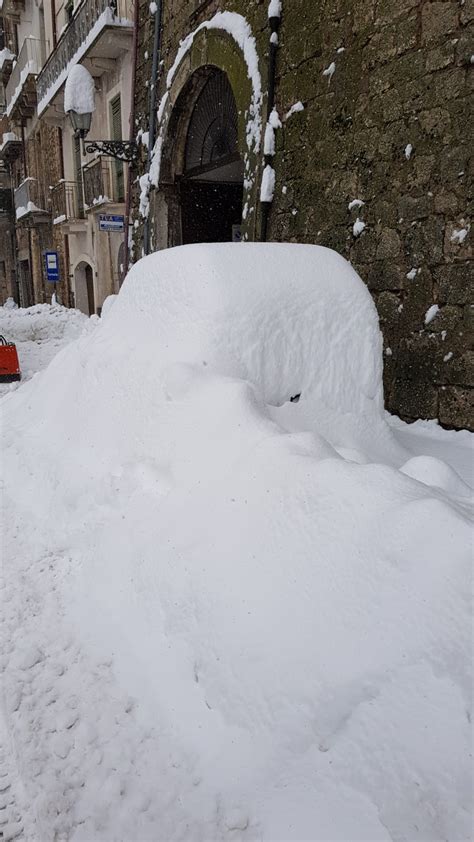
122, 150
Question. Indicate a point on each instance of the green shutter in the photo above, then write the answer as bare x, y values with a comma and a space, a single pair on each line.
116, 115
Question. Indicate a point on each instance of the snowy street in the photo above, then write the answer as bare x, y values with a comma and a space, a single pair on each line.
226, 615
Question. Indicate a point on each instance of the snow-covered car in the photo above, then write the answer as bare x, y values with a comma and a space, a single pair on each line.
233, 615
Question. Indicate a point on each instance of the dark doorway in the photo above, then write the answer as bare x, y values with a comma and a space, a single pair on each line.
84, 288
210, 212
90, 288
26, 284
211, 187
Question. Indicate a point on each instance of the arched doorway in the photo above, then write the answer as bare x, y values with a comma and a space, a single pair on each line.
208, 168
84, 288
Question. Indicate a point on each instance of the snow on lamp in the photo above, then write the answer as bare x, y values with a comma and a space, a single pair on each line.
79, 99
79, 105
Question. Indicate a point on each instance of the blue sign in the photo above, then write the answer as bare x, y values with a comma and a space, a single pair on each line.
52, 266
108, 222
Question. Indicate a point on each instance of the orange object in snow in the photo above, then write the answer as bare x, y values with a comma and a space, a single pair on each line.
9, 365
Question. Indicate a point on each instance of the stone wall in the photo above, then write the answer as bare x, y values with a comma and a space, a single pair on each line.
43, 162
7, 233
7, 265
388, 127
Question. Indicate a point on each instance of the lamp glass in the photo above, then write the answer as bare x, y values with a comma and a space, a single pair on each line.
81, 123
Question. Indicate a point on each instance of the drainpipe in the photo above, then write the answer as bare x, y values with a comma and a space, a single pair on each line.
53, 23
274, 21
13, 238
152, 115
131, 137
67, 296
31, 286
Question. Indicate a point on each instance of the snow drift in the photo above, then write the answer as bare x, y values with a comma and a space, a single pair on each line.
248, 622
39, 333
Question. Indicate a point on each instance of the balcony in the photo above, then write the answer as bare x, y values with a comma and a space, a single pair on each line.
6, 64
30, 204
21, 88
67, 206
98, 30
10, 143
100, 184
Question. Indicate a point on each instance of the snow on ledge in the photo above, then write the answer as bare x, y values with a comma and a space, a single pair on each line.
7, 137
267, 190
30, 208
6, 55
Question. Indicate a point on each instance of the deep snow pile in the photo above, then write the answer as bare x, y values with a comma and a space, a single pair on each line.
39, 332
232, 616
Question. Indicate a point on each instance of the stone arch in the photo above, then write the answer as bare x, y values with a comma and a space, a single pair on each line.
211, 49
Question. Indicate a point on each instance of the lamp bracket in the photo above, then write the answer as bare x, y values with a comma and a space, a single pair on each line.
122, 150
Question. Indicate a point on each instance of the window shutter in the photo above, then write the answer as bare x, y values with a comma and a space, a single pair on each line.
116, 132
116, 109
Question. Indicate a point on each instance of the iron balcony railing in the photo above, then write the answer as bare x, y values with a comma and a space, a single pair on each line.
66, 202
74, 41
98, 183
29, 199
29, 62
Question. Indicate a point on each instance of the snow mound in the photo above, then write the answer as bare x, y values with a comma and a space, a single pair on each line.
432, 471
232, 616
291, 320
39, 332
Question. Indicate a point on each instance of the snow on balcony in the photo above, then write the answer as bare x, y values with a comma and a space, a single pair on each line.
6, 56
25, 70
29, 201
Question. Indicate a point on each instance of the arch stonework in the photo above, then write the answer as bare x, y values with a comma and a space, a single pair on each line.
211, 48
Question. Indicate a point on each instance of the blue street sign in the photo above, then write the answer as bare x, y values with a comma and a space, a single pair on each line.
110, 222
52, 266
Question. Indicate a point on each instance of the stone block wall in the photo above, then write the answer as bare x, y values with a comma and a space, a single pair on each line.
390, 127
7, 264
43, 154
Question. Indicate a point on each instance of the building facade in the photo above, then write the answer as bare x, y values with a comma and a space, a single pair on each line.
366, 152
342, 122
65, 200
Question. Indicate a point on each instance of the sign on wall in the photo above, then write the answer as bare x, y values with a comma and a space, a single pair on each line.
51, 260
110, 222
